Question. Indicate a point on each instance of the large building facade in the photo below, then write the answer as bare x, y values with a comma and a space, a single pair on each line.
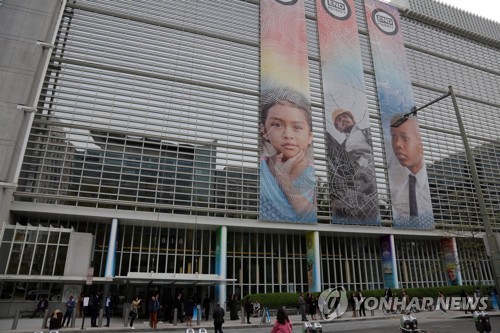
130, 144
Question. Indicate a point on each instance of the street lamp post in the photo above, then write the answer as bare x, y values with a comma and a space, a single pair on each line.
490, 237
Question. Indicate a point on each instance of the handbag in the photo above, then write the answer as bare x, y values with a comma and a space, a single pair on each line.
132, 314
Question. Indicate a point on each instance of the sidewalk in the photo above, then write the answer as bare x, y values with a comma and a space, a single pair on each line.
28, 325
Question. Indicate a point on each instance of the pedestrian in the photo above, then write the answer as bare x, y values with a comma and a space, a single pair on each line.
55, 320
108, 309
282, 323
42, 305
388, 297
465, 300
361, 304
167, 306
153, 308
178, 306
79, 306
354, 301
256, 308
302, 307
206, 307
94, 309
313, 307
248, 309
134, 311
218, 318
233, 307
189, 311
441, 302
68, 314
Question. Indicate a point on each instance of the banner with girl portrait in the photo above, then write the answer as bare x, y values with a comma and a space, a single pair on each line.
287, 171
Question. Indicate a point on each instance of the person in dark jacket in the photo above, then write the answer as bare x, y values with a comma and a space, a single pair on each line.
248, 309
233, 307
94, 309
42, 305
206, 306
153, 307
218, 318
189, 310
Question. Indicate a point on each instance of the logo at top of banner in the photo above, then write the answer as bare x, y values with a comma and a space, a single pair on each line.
385, 22
339, 9
287, 2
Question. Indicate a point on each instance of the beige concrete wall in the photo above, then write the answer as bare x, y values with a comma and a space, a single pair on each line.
22, 23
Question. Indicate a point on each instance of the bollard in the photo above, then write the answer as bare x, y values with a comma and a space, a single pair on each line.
373, 312
16, 319
45, 317
189, 330
175, 317
242, 315
99, 322
125, 313
202, 330
73, 319
198, 315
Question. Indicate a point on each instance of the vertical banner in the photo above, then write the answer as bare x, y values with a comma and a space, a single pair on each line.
352, 181
410, 195
450, 260
287, 172
313, 262
388, 257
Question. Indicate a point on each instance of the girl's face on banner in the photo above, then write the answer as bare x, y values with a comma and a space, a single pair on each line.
287, 129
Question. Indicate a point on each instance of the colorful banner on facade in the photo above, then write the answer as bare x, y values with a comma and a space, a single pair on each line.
287, 172
313, 263
352, 181
410, 195
450, 259
388, 257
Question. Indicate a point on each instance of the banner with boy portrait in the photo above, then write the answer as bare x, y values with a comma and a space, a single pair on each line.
287, 171
408, 181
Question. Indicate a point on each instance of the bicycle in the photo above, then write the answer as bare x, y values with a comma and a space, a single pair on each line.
387, 310
420, 307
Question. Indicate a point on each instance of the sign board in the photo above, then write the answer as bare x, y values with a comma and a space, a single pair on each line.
90, 276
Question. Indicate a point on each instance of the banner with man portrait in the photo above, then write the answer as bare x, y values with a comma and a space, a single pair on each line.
287, 171
408, 182
350, 160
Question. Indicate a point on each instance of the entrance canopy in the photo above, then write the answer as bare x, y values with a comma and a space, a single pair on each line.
171, 279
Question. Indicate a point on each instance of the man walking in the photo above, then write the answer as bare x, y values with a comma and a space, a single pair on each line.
218, 318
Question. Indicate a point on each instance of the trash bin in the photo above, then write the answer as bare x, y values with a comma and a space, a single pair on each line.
482, 321
307, 327
317, 328
408, 324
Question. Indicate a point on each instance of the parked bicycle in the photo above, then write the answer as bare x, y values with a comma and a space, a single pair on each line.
421, 307
394, 309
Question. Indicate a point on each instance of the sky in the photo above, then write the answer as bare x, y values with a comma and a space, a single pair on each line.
486, 8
